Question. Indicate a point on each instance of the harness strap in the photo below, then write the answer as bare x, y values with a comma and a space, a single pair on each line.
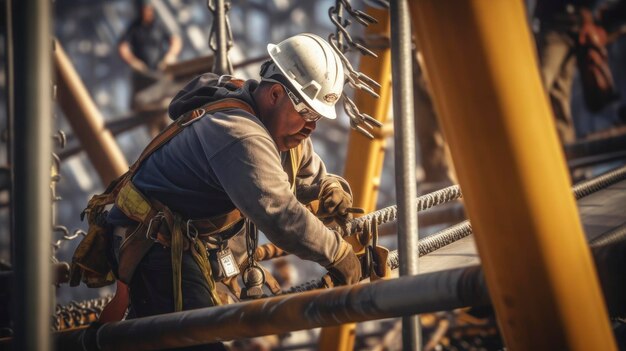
97, 202
177, 262
186, 119
139, 208
295, 156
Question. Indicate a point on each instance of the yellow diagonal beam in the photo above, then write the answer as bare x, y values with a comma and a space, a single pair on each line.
480, 58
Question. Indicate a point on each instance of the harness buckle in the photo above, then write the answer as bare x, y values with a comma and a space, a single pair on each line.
191, 237
153, 236
196, 114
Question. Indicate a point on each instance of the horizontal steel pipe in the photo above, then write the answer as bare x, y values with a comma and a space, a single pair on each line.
431, 292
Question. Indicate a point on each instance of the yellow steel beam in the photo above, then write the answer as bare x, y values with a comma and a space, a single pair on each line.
480, 58
365, 157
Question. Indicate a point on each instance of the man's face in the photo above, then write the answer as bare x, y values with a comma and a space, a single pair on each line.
147, 13
286, 125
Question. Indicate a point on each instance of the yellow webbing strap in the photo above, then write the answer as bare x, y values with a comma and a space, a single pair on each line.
295, 155
132, 202
202, 260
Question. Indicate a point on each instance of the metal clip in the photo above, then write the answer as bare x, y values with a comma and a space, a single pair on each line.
196, 114
158, 217
188, 233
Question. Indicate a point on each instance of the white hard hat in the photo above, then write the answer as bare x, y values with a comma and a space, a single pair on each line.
313, 68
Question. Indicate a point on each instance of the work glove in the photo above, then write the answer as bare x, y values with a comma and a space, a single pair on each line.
345, 269
334, 201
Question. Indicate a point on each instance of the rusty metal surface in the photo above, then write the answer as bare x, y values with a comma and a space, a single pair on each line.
383, 299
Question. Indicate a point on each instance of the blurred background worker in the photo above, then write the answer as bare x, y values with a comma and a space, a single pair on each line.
433, 151
148, 47
571, 35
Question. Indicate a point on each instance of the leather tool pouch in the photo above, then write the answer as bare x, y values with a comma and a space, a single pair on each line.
90, 262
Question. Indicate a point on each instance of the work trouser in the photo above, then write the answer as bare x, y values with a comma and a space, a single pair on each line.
558, 68
151, 290
431, 145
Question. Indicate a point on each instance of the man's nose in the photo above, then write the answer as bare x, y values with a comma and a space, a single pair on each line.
310, 125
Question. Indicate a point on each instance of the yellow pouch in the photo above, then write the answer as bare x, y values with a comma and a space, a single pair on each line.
90, 263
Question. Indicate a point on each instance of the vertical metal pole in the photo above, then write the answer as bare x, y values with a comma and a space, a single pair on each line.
404, 139
9, 71
483, 70
33, 144
221, 56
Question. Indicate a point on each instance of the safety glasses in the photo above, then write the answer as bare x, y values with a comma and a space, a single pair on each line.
300, 106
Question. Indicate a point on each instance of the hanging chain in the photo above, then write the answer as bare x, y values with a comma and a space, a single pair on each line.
221, 36
342, 42
77, 314
60, 138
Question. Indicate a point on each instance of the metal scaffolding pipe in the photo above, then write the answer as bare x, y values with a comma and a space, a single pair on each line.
86, 120
221, 64
32, 156
431, 292
404, 141
10, 110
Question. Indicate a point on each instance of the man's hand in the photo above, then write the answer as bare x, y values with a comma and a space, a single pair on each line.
334, 201
590, 33
346, 269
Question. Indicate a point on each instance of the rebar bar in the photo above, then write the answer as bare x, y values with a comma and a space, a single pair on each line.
444, 290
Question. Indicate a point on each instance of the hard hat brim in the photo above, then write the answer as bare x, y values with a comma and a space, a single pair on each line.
324, 110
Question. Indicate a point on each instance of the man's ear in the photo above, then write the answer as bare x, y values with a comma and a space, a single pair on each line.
275, 93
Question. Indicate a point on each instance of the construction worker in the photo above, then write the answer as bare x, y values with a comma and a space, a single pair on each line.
570, 36
147, 47
240, 156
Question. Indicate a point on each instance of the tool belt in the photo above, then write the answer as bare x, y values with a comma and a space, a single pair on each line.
157, 223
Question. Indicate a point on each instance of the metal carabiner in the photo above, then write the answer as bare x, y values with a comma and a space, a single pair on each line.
159, 216
195, 230
197, 114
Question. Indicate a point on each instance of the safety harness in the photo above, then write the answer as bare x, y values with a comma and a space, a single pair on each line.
157, 223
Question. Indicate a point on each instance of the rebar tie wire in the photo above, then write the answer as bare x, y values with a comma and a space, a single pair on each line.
464, 229
342, 42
